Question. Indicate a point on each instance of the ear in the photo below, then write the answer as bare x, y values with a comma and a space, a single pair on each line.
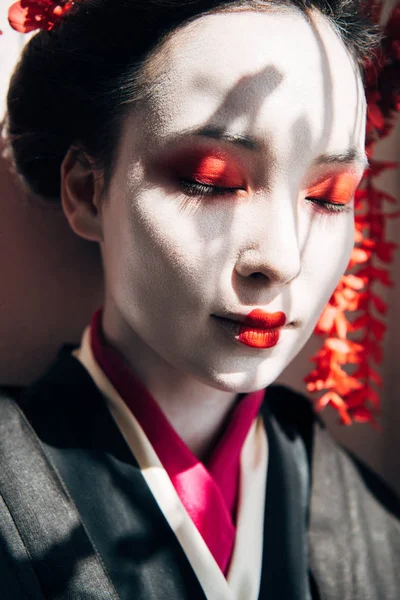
81, 194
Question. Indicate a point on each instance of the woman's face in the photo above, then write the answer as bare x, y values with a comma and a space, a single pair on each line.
233, 192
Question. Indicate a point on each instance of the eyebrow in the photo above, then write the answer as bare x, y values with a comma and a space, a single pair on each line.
349, 156
220, 134
352, 155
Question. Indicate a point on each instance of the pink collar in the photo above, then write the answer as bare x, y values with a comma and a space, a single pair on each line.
209, 494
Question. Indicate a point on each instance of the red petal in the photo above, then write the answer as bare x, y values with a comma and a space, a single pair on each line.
375, 117
385, 250
376, 167
362, 414
337, 345
326, 319
341, 324
380, 305
18, 18
357, 283
382, 275
359, 256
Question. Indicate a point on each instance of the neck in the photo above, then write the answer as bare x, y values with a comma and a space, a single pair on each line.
196, 411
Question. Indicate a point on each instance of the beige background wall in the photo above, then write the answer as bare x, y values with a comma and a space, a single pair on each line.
51, 283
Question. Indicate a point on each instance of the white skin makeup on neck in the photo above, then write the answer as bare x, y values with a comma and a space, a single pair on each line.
232, 192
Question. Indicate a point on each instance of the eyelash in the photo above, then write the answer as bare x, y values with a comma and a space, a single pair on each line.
331, 207
195, 188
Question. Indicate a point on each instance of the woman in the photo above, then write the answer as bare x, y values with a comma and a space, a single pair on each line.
212, 150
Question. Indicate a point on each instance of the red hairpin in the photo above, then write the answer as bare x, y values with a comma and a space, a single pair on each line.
28, 15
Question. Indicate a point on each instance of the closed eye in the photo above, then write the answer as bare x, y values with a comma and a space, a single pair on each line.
332, 207
197, 188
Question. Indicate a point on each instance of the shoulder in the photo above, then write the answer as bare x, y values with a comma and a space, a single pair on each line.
333, 463
65, 390
330, 461
354, 526
63, 405
353, 517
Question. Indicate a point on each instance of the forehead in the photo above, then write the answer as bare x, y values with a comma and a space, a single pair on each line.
274, 75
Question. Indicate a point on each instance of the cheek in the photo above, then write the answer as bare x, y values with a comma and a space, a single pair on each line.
162, 248
326, 255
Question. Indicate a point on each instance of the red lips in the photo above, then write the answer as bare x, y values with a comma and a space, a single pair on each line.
261, 329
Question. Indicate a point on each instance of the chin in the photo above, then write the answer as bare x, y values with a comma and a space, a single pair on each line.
248, 372
244, 381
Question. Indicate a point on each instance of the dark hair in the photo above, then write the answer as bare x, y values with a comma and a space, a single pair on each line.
73, 84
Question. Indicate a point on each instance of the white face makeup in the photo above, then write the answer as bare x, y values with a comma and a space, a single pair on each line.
233, 192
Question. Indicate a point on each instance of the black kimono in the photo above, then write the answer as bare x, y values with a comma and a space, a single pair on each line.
78, 520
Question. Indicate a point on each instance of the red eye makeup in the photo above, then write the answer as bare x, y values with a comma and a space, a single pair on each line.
207, 167
212, 169
335, 189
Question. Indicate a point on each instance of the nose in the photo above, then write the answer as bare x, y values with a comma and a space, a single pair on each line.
271, 252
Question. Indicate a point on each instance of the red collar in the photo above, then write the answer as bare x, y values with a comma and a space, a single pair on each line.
209, 493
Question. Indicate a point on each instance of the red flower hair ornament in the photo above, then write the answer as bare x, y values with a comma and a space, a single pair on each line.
345, 370
28, 15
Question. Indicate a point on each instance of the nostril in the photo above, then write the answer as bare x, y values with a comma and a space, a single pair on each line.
258, 275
